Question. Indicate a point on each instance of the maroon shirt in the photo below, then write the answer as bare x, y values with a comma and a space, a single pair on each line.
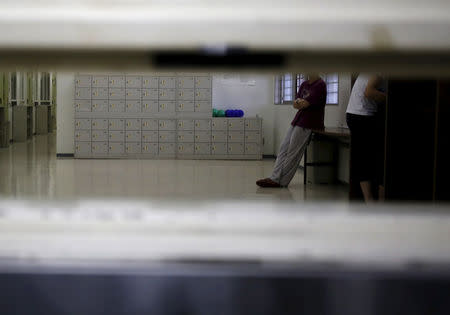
312, 116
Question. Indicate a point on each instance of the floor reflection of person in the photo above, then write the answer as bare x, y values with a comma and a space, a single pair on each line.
310, 102
366, 102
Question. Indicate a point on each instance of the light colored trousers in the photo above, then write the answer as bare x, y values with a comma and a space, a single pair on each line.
290, 155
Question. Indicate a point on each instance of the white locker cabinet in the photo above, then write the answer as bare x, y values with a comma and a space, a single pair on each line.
150, 94
235, 148
99, 148
133, 124
150, 136
133, 106
82, 148
203, 136
99, 93
219, 148
83, 81
100, 106
116, 94
166, 95
186, 148
167, 136
116, 136
133, 94
82, 105
83, 123
116, 124
167, 148
202, 94
99, 135
235, 136
133, 136
185, 136
133, 81
203, 82
100, 81
82, 135
150, 148
202, 124
150, 82
235, 124
185, 106
252, 148
253, 124
116, 81
185, 124
133, 148
167, 106
219, 136
253, 136
203, 106
149, 124
185, 82
203, 148
167, 124
185, 94
117, 106
83, 93
116, 148
100, 124
219, 124
150, 106
167, 83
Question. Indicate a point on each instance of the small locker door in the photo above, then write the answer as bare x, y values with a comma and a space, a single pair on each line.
150, 94
253, 136
133, 81
185, 106
185, 148
203, 106
82, 148
82, 135
150, 82
185, 94
167, 82
185, 136
252, 148
219, 124
202, 148
82, 123
117, 94
167, 136
116, 148
203, 82
149, 106
116, 124
133, 106
133, 94
235, 148
185, 82
150, 148
133, 136
202, 136
186, 124
133, 124
150, 136
219, 148
219, 136
99, 135
83, 81
166, 106
99, 148
202, 94
203, 124
99, 93
149, 124
100, 124
100, 106
133, 148
117, 81
100, 81
236, 124
117, 106
252, 124
83, 93
167, 124
167, 148
116, 136
235, 136
166, 94
82, 105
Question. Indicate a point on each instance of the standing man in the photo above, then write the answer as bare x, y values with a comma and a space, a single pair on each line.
310, 102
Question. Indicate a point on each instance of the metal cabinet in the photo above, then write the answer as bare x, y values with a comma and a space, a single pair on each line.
185, 106
133, 136
133, 148
252, 148
100, 124
133, 124
133, 81
235, 124
186, 148
203, 106
253, 136
202, 124
150, 148
99, 148
219, 136
185, 82
185, 124
235, 148
167, 83
167, 124
150, 136
150, 124
203, 148
117, 106
117, 81
167, 106
150, 82
116, 136
202, 94
185, 136
203, 82
133, 106
219, 124
83, 106
99, 135
149, 94
235, 136
82, 135
116, 148
81, 123
219, 148
116, 124
99, 93
133, 94
167, 136
83, 93
202, 136
100, 81
82, 148
167, 148
150, 106
100, 106
185, 94
116, 93
83, 81
166, 94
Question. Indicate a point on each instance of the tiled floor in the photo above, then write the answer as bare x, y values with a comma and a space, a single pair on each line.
30, 170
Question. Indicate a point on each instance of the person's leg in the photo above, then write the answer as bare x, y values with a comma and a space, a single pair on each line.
278, 167
297, 145
366, 188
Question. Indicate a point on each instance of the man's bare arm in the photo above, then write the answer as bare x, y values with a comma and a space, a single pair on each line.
371, 91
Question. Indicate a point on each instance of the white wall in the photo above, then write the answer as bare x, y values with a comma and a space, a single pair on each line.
65, 112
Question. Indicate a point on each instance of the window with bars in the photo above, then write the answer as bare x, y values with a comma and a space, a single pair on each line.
286, 87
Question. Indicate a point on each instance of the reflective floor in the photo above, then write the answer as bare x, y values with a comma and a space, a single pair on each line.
31, 170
